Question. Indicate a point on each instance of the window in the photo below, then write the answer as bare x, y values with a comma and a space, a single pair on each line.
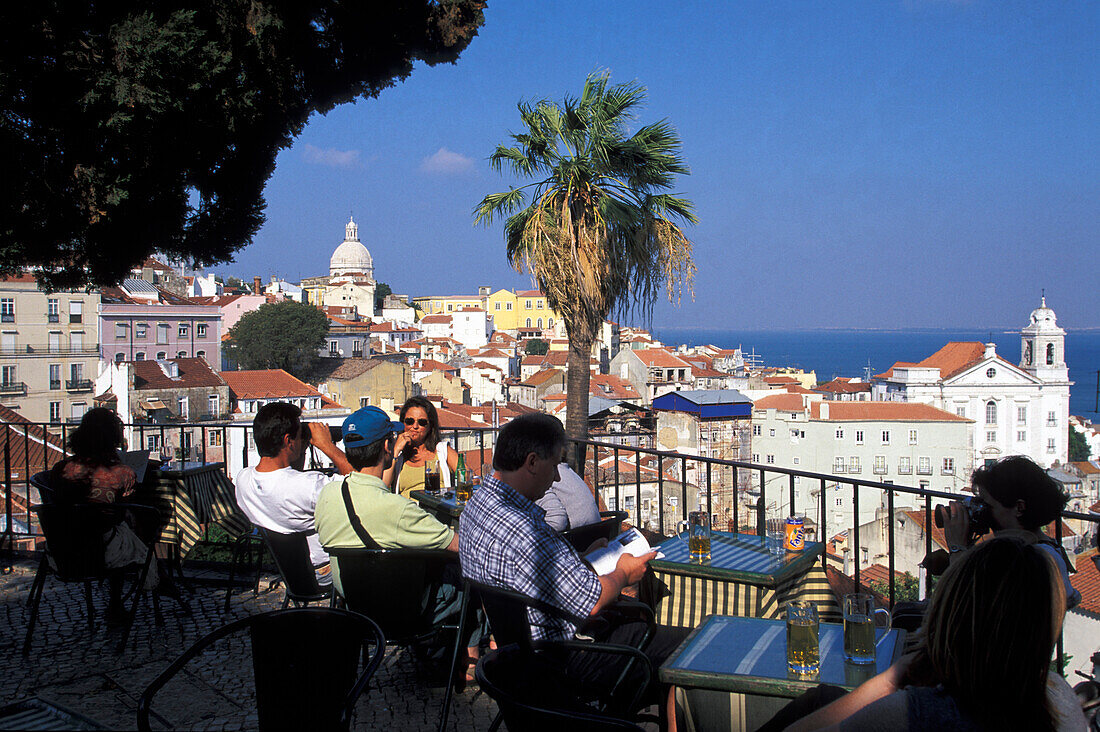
161, 355
540, 323
162, 333
182, 406
55, 376
839, 501
756, 457
76, 342
507, 306
838, 465
853, 464
528, 322
333, 347
886, 437
200, 354
550, 323
450, 308
53, 315
770, 459
924, 466
527, 305
76, 411
990, 373
905, 466
1052, 419
948, 466
1050, 354
214, 406
756, 430
991, 412
1051, 445
76, 311
1021, 436
1021, 415
76, 371
181, 354
880, 465
200, 330
182, 331
912, 437
139, 356
214, 438
840, 433
120, 357
120, 331
7, 309
496, 306
7, 375
960, 411
990, 436
55, 411
539, 305
140, 330
859, 437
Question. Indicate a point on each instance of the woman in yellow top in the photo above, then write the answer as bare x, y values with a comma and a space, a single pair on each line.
419, 445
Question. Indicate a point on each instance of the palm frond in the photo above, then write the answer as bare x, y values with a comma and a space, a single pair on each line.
498, 204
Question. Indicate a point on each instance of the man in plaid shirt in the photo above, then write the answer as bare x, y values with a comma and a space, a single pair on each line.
505, 541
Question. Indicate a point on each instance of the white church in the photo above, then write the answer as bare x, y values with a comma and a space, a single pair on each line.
1018, 409
350, 281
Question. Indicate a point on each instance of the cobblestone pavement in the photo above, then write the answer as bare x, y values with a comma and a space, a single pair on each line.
79, 669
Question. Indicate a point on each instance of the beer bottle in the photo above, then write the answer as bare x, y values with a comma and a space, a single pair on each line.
460, 470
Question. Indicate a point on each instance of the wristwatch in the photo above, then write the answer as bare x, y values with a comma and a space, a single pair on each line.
953, 548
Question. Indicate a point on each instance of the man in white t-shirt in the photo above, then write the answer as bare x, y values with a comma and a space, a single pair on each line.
276, 494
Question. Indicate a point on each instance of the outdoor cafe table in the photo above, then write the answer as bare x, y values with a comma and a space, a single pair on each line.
443, 506
731, 672
192, 495
741, 578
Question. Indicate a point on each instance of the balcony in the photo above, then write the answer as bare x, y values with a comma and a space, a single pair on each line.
13, 388
55, 384
78, 385
42, 349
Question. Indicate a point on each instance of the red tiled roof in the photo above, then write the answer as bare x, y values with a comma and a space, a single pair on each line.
843, 386
541, 377
950, 360
611, 386
267, 384
430, 364
780, 380
782, 402
886, 412
21, 277
28, 444
529, 293
193, 372
1084, 467
660, 358
1086, 580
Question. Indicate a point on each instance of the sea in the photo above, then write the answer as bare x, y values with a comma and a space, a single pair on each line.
835, 352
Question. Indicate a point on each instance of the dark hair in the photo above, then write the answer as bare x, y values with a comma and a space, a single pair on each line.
274, 421
989, 634
434, 436
535, 432
98, 437
366, 456
1018, 478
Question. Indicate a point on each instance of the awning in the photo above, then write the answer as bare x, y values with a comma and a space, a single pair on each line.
152, 404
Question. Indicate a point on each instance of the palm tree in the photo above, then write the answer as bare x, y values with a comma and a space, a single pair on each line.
598, 232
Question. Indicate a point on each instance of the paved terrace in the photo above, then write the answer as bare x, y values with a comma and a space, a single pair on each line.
81, 671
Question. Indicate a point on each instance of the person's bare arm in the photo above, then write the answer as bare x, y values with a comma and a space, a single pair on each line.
882, 685
452, 458
320, 437
627, 572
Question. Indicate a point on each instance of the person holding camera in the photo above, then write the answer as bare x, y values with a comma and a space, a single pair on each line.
1011, 495
277, 494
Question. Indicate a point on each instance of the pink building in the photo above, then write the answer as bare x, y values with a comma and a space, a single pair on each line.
140, 322
232, 307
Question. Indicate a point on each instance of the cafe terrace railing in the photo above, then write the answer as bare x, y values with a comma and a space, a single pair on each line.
231, 444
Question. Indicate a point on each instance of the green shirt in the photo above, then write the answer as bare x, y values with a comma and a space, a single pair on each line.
392, 521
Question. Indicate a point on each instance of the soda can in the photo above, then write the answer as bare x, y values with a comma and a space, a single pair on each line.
794, 540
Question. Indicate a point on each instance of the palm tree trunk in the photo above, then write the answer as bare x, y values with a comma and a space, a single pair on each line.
576, 401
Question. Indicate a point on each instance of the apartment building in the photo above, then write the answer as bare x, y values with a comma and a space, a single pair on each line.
139, 322
653, 371
49, 350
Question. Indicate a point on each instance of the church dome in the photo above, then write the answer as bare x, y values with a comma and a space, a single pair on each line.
351, 257
1043, 315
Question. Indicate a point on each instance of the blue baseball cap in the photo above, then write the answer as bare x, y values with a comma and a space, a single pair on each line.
367, 425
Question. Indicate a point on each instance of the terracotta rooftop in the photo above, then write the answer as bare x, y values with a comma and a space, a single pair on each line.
1086, 580
843, 386
193, 372
610, 386
27, 443
541, 377
950, 360
782, 402
267, 384
660, 358
434, 319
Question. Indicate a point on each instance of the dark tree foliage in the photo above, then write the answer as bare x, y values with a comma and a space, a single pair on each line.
1078, 446
134, 127
284, 335
536, 347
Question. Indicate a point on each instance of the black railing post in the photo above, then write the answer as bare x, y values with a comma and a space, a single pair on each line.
225, 454
9, 539
638, 482
202, 436
762, 506
790, 480
855, 528
890, 540
927, 541
660, 494
824, 531
710, 506
683, 489
618, 502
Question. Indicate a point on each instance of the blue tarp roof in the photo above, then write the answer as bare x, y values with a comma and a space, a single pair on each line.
706, 402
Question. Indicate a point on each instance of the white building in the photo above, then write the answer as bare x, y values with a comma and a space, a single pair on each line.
471, 327
1018, 410
652, 371
914, 445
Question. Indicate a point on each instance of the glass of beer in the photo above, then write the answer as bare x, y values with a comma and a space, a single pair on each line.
698, 536
431, 478
859, 627
462, 492
802, 628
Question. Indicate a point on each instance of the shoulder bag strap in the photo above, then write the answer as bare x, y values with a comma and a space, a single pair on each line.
356, 524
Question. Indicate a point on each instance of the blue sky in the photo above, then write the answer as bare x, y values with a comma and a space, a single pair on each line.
855, 164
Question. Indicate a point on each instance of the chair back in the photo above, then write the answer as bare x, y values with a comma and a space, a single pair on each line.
291, 553
394, 587
41, 481
507, 613
608, 528
305, 663
77, 535
533, 695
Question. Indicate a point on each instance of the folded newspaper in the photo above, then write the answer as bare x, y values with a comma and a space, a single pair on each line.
605, 559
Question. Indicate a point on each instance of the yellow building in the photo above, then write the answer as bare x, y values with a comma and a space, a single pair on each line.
447, 304
512, 310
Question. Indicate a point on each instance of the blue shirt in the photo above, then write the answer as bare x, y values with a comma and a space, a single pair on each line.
504, 541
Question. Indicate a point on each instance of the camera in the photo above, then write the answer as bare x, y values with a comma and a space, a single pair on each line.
334, 431
979, 518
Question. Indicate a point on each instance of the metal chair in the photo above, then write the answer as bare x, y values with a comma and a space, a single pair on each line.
41, 481
608, 527
76, 544
397, 587
531, 696
507, 613
291, 553
304, 661
39, 714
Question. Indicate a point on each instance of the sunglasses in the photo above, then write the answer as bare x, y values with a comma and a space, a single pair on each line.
411, 421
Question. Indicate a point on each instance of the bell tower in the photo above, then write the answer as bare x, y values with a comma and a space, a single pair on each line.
1043, 346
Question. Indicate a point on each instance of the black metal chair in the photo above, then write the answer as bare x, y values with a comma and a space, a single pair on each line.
507, 613
608, 527
531, 696
397, 588
305, 663
41, 481
291, 553
75, 552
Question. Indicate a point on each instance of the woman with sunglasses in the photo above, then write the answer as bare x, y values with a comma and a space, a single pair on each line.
419, 445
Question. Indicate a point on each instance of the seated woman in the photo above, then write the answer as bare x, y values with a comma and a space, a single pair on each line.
419, 445
983, 661
94, 473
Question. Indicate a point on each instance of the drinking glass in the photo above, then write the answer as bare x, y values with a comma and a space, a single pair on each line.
774, 532
859, 627
463, 491
698, 536
802, 635
431, 478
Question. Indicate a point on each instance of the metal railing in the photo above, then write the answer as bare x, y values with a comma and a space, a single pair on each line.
78, 384
49, 350
13, 388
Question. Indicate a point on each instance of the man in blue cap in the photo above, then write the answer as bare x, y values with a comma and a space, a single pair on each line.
389, 520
